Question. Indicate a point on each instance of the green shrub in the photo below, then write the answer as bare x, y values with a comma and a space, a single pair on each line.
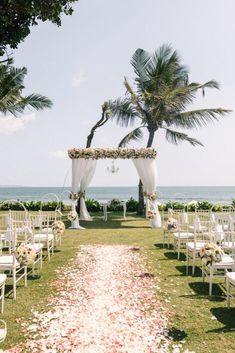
115, 205
217, 207
92, 205
132, 205
175, 205
204, 205
31, 205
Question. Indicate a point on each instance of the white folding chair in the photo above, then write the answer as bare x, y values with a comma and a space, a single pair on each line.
181, 236
202, 230
43, 235
230, 284
24, 235
217, 270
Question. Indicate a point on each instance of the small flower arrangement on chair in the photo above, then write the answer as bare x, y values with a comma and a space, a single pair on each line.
171, 224
25, 255
211, 253
151, 214
72, 216
58, 229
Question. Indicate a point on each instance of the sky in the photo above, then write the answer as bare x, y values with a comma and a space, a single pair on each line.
83, 63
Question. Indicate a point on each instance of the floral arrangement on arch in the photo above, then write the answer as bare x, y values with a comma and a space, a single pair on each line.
81, 194
171, 223
151, 214
151, 196
72, 216
113, 153
73, 195
25, 254
58, 228
211, 253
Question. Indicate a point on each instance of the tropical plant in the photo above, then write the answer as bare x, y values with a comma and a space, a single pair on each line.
92, 205
11, 86
159, 99
132, 205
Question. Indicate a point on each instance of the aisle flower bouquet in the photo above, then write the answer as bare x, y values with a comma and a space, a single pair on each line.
25, 254
72, 216
171, 223
151, 214
211, 253
58, 228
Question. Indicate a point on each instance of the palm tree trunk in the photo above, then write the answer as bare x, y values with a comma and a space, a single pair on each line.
140, 209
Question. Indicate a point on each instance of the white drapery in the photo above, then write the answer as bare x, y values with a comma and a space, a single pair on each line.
82, 173
147, 170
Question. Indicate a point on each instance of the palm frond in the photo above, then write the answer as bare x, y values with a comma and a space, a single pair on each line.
139, 62
135, 135
177, 137
123, 111
17, 105
197, 118
37, 101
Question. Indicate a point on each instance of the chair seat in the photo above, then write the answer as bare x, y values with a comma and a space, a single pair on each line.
183, 235
43, 237
231, 277
227, 261
195, 246
7, 261
36, 247
47, 230
3, 278
229, 244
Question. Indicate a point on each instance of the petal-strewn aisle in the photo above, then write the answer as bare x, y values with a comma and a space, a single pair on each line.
107, 304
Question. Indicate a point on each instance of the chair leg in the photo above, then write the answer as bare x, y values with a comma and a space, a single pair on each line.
48, 252
25, 276
14, 283
203, 273
178, 251
193, 266
228, 294
3, 297
187, 265
41, 260
210, 281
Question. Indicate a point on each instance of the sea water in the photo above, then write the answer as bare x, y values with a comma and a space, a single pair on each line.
213, 194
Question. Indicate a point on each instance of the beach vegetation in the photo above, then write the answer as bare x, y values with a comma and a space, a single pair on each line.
12, 101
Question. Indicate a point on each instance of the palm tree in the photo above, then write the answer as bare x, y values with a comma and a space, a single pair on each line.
159, 100
11, 86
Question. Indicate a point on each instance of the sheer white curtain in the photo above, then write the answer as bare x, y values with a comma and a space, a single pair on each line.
90, 171
147, 170
82, 173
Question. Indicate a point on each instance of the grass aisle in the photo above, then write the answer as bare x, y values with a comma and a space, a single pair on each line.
107, 304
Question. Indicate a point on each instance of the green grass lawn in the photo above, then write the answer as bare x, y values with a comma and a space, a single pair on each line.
203, 322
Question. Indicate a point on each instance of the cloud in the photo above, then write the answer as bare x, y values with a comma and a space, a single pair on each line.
78, 79
9, 124
60, 154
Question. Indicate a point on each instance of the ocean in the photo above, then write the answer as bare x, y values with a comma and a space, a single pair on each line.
213, 194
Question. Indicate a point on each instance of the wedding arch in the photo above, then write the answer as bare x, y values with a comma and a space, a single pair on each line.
84, 162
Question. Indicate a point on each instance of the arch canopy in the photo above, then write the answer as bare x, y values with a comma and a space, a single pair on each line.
83, 168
